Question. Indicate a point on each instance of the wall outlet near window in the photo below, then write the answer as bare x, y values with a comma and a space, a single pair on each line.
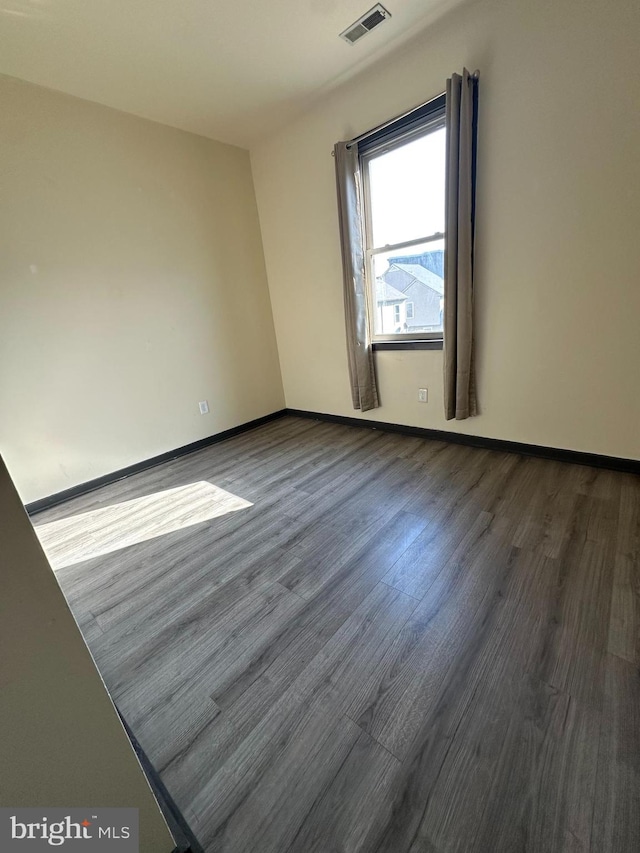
204, 407
423, 395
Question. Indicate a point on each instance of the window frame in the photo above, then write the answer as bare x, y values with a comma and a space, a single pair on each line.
420, 122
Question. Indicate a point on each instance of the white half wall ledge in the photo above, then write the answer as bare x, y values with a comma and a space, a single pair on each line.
63, 744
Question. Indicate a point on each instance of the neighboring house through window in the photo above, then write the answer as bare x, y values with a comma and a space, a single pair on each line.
390, 307
424, 288
403, 169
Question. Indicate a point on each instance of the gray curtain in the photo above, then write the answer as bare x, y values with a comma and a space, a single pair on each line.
364, 391
459, 373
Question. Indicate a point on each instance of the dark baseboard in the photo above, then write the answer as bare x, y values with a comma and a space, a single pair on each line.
576, 457
186, 842
106, 479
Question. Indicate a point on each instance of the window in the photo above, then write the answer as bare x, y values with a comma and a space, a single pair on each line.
403, 172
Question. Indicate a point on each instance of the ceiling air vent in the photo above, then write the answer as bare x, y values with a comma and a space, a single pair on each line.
369, 21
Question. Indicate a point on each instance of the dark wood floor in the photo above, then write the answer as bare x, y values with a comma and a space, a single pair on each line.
400, 645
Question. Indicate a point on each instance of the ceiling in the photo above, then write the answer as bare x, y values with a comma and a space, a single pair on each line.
231, 70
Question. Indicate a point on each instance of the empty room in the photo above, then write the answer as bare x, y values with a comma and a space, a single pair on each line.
320, 426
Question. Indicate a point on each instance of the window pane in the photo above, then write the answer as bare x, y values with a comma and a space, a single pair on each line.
407, 190
409, 290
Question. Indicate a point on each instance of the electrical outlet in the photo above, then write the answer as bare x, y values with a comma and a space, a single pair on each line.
423, 395
204, 407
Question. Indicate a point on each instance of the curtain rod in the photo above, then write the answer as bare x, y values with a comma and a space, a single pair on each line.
384, 124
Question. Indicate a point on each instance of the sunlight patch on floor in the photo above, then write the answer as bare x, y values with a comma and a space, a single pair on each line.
71, 540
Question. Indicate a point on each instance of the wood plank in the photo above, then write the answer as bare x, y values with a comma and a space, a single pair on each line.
261, 795
624, 624
356, 800
616, 824
624, 627
572, 656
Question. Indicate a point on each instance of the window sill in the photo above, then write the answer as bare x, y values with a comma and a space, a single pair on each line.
379, 346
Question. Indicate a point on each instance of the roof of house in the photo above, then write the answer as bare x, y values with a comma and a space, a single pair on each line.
387, 293
421, 274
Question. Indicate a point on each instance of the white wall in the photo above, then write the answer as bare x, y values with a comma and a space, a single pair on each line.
132, 285
62, 742
558, 284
